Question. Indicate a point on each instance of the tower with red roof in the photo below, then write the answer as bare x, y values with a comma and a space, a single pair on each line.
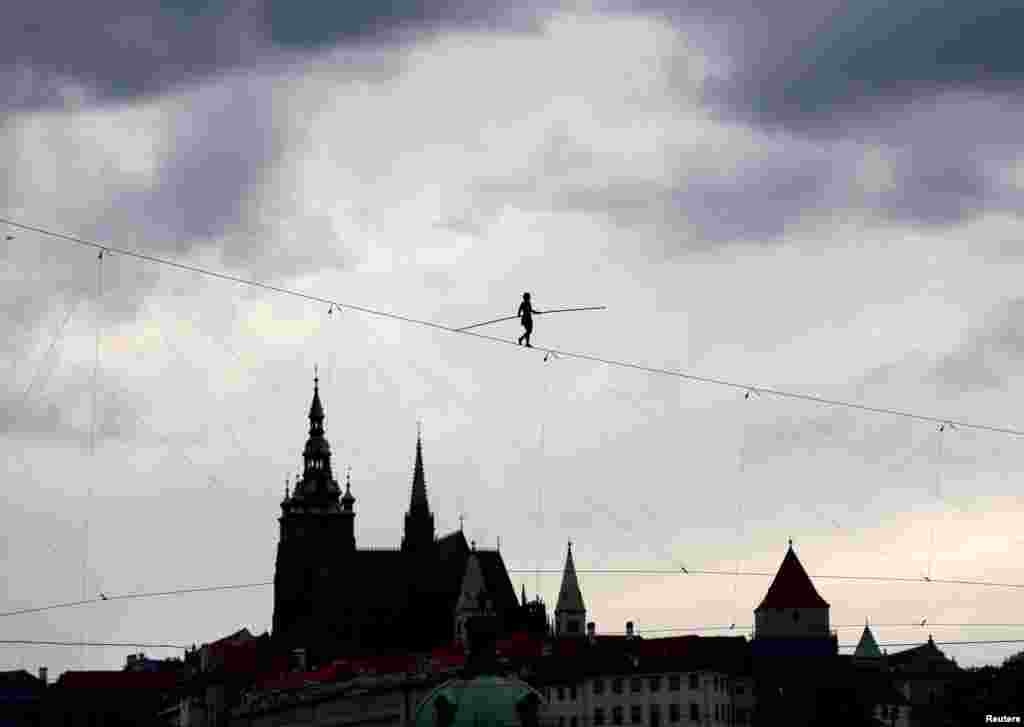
792, 608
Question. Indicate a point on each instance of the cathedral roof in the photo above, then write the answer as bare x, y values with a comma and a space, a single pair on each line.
792, 587
867, 647
569, 596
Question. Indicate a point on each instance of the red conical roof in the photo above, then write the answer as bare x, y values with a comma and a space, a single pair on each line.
792, 587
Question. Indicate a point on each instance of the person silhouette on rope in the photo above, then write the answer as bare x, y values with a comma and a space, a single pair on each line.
525, 314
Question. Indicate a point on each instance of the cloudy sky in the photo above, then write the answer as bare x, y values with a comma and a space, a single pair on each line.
819, 200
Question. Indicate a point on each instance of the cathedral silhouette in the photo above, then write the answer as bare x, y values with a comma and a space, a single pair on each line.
333, 599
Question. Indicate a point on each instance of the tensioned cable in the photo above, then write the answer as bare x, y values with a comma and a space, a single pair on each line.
119, 645
130, 644
568, 354
748, 627
766, 574
594, 571
57, 337
126, 596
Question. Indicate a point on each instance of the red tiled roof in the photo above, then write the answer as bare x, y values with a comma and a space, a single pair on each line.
520, 645
792, 587
452, 655
293, 680
380, 664
139, 680
672, 646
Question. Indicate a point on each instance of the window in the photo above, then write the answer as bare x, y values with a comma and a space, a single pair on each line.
694, 681
673, 683
716, 683
740, 689
616, 715
574, 626
796, 616
573, 721
673, 713
572, 692
636, 684
598, 716
561, 694
599, 686
717, 717
636, 715
561, 722
655, 715
617, 685
655, 684
694, 712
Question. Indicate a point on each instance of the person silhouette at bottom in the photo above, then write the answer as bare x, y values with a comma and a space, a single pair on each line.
526, 313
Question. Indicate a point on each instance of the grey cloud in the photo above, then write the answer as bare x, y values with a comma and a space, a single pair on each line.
57, 415
755, 202
990, 355
848, 60
121, 49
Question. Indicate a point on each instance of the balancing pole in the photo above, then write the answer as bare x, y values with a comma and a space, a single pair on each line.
542, 313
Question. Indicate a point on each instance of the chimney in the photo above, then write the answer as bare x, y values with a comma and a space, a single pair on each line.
43, 675
629, 629
299, 659
591, 629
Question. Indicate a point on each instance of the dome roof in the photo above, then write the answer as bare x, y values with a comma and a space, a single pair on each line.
485, 701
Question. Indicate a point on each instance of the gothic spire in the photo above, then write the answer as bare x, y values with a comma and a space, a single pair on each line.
419, 522
317, 478
316, 410
347, 500
569, 596
418, 501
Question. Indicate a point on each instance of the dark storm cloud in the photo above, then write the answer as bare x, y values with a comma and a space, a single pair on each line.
117, 47
848, 59
989, 356
122, 49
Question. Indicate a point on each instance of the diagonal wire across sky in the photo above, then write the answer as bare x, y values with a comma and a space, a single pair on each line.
748, 388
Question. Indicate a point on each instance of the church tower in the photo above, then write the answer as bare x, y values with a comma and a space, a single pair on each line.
792, 608
419, 534
316, 531
570, 613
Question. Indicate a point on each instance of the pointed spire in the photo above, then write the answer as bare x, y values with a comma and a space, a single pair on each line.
418, 501
867, 647
347, 499
569, 596
524, 593
472, 585
316, 409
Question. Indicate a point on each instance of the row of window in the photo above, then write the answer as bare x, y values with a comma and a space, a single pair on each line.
722, 712
636, 714
636, 684
654, 685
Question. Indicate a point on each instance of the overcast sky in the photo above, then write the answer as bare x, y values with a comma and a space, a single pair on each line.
820, 200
